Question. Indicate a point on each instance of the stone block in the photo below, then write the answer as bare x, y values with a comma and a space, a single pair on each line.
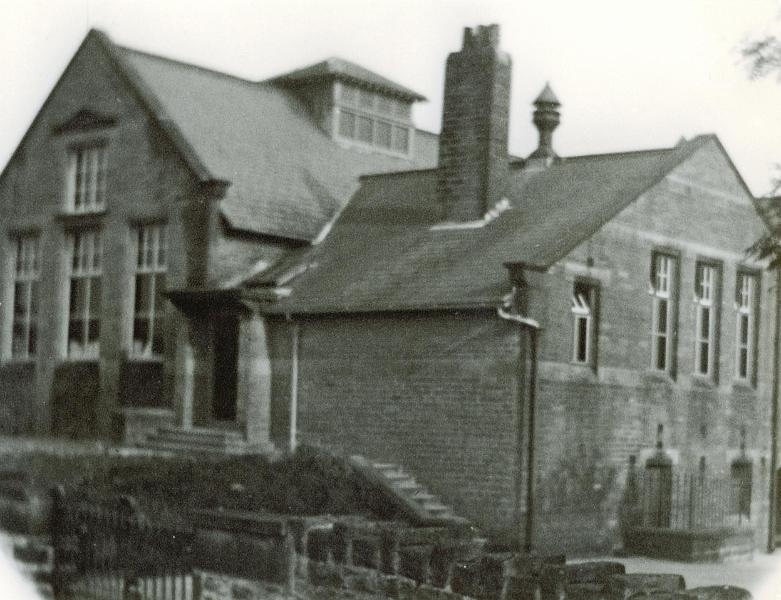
584, 591
593, 571
522, 587
719, 592
624, 586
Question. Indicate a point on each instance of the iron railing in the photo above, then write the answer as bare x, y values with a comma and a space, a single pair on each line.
113, 552
680, 500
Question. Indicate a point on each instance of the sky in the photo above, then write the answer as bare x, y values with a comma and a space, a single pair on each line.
630, 74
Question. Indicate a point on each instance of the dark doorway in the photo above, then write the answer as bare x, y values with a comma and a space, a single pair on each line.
226, 350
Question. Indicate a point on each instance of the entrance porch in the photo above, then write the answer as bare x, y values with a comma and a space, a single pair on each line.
222, 377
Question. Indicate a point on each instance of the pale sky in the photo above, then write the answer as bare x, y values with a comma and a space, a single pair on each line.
630, 74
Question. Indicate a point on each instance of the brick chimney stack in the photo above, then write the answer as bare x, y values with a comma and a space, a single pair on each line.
473, 161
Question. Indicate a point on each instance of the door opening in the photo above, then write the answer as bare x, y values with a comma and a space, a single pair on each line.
226, 351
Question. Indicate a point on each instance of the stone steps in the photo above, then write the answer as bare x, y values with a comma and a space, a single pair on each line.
202, 441
423, 506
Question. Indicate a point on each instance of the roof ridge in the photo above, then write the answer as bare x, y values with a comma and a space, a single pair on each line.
400, 172
619, 153
190, 65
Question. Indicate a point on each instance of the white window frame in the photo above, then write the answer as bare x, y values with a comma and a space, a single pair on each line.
85, 188
582, 301
705, 299
745, 308
26, 276
151, 264
663, 293
86, 269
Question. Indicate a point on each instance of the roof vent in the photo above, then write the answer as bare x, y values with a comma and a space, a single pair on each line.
546, 119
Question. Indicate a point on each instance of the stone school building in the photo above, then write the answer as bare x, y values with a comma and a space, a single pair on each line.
196, 261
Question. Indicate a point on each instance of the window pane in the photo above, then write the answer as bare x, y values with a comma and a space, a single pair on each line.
743, 363
33, 293
79, 184
400, 139
383, 134
97, 250
365, 129
140, 335
157, 342
743, 329
32, 339
661, 316
582, 339
705, 323
140, 246
159, 293
93, 333
162, 248
19, 339
142, 300
21, 295
347, 124
661, 353
78, 296
94, 304
75, 336
703, 364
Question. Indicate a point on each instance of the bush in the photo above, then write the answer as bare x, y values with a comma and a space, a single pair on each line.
308, 482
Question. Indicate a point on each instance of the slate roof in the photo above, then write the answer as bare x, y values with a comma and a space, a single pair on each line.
382, 254
287, 177
344, 70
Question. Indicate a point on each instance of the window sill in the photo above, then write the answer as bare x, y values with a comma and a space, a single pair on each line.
70, 360
17, 363
84, 219
744, 386
703, 381
587, 366
654, 375
144, 358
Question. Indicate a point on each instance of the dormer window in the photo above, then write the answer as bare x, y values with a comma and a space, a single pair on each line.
86, 179
373, 119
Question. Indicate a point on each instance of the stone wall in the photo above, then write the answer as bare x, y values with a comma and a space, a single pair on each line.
437, 392
146, 181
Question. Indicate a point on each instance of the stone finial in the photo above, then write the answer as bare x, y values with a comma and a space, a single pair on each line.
546, 119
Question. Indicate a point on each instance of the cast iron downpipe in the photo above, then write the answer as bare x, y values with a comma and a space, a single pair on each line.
773, 491
526, 393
